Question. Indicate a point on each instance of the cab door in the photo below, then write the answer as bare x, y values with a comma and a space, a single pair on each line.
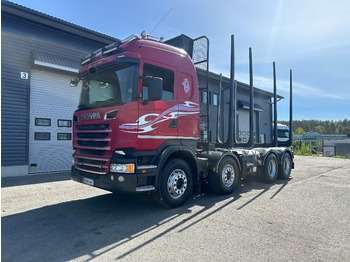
188, 120
158, 120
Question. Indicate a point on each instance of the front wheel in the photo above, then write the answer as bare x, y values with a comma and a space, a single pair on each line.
175, 184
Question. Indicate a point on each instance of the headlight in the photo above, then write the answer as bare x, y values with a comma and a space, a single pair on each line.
122, 168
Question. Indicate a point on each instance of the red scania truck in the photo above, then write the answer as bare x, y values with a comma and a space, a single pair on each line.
142, 123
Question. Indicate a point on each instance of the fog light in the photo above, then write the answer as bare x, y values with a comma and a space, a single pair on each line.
121, 179
122, 168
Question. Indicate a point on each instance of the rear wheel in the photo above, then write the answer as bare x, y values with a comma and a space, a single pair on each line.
225, 181
175, 184
270, 169
285, 167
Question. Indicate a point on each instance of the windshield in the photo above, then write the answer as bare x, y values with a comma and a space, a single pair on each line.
111, 87
283, 133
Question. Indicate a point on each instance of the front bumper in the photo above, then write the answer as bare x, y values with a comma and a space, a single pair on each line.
117, 182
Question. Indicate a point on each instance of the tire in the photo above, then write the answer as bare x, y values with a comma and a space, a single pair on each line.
286, 167
175, 185
270, 169
225, 181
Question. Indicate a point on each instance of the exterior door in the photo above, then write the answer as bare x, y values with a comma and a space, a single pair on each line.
157, 120
52, 103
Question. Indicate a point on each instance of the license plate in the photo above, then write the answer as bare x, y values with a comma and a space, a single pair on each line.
88, 181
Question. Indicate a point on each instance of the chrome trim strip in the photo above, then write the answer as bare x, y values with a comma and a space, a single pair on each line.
92, 148
93, 131
145, 188
90, 165
92, 139
167, 137
105, 116
91, 158
147, 167
89, 171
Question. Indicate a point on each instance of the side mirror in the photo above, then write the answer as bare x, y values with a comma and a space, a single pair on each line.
74, 82
153, 90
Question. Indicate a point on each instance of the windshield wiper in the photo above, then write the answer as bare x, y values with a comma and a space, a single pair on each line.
109, 102
83, 107
97, 104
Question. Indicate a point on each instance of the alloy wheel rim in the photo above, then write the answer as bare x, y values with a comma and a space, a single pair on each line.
272, 168
177, 183
228, 175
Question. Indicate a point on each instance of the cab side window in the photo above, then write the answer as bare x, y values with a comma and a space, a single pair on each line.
165, 74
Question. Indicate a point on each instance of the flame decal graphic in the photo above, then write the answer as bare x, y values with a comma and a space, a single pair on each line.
143, 125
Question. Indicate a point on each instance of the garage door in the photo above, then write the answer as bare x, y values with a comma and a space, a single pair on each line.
243, 125
52, 103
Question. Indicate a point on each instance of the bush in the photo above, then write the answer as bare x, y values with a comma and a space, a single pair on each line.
302, 148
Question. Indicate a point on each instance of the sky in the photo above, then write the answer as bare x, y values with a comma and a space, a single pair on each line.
311, 37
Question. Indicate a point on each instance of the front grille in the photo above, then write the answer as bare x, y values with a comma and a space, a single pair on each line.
93, 127
93, 152
92, 143
90, 164
92, 135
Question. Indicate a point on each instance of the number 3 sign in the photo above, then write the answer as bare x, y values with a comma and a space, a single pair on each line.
24, 75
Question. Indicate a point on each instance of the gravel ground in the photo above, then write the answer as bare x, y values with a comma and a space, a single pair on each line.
48, 217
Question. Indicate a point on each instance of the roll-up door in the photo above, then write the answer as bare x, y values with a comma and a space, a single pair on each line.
243, 125
52, 103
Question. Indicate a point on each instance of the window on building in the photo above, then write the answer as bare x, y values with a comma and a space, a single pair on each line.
42, 136
42, 121
64, 136
64, 123
204, 97
215, 99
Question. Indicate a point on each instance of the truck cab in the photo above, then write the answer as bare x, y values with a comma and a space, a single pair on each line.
282, 133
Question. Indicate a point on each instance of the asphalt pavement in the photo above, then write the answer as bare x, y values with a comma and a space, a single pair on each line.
307, 218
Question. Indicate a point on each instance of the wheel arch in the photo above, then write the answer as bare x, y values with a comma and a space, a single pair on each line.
273, 152
179, 152
285, 152
216, 158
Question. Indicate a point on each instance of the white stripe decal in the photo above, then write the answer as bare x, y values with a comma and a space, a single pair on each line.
167, 137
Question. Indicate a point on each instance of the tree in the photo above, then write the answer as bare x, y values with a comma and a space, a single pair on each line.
332, 127
339, 129
299, 131
320, 129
